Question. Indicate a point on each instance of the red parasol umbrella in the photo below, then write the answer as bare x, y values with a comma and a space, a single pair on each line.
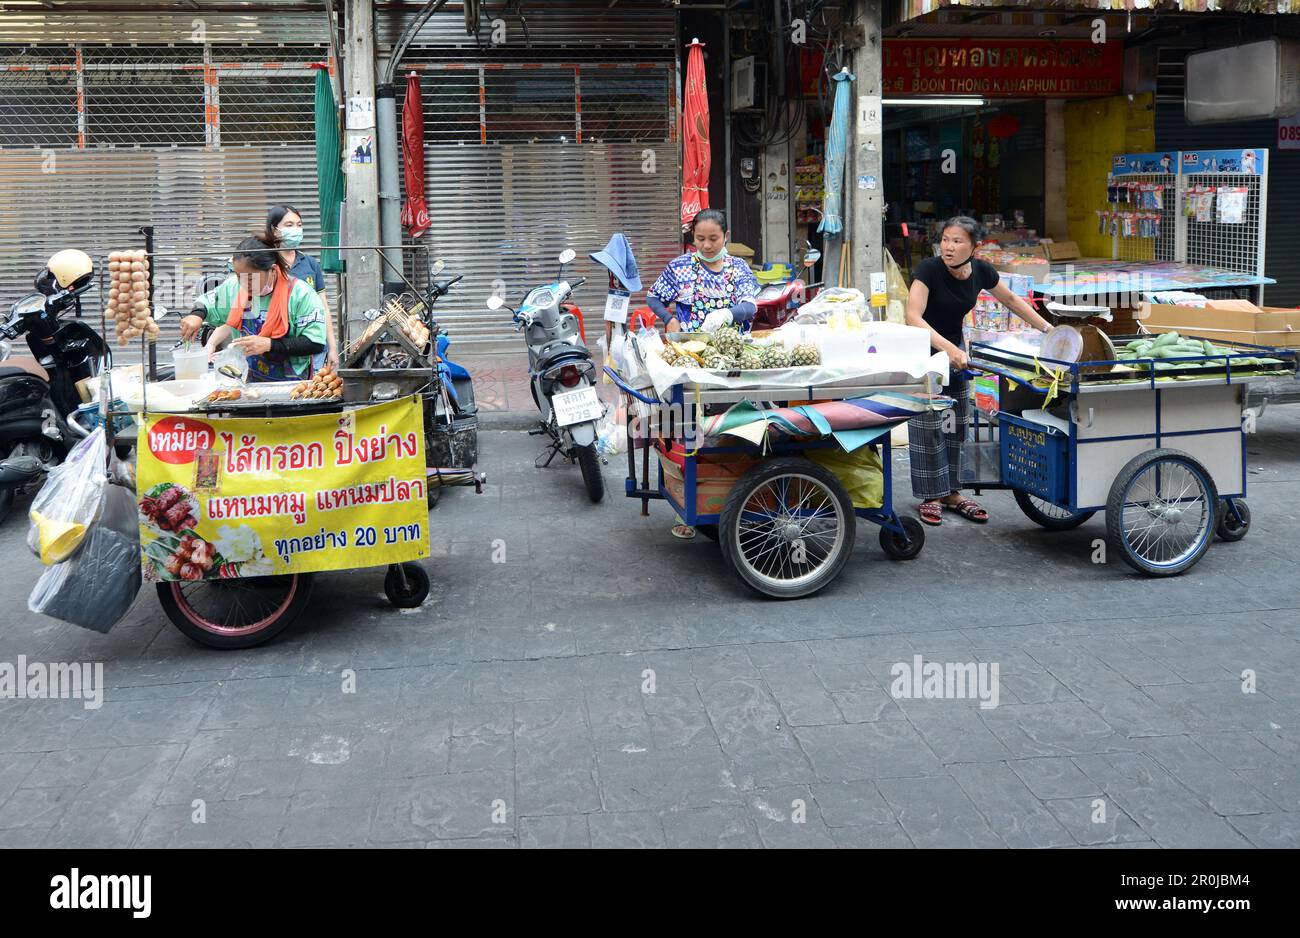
695, 137
415, 214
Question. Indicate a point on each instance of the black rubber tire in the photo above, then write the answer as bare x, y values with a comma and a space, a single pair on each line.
417, 586
179, 611
896, 548
6, 503
592, 478
1227, 527
763, 473
708, 530
1115, 509
1036, 515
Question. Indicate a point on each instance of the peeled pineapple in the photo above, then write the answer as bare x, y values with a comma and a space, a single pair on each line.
805, 355
775, 356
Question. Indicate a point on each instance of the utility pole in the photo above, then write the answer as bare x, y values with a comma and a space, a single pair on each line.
865, 180
361, 210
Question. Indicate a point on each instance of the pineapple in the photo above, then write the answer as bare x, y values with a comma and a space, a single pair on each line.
670, 356
728, 341
715, 362
751, 358
775, 356
805, 355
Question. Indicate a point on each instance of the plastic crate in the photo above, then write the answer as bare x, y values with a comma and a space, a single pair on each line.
1034, 458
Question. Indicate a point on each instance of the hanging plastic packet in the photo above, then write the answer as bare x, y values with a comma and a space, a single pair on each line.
1158, 198
1101, 221
1155, 226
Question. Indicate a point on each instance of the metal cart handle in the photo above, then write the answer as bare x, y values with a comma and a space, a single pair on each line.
626, 389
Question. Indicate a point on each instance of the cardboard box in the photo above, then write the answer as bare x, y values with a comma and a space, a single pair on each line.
1039, 272
1063, 251
1269, 326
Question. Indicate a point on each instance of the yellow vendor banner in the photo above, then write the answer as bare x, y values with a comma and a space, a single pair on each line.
246, 497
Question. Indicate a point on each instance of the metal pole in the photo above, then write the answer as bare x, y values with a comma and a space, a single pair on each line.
867, 222
390, 192
361, 209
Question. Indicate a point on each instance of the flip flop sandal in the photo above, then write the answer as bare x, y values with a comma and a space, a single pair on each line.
682, 531
970, 510
930, 513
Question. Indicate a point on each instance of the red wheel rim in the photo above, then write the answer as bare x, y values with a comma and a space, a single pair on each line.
225, 628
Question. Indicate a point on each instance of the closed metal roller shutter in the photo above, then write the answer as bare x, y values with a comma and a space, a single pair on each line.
197, 201
1281, 260
504, 213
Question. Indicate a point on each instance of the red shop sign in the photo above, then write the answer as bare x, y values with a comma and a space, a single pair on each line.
1003, 68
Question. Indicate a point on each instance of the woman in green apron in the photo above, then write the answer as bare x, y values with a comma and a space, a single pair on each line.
276, 320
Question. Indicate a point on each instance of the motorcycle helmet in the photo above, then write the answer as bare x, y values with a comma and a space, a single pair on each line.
67, 270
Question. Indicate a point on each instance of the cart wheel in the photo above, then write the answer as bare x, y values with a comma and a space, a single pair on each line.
1229, 528
592, 478
708, 530
1047, 515
235, 613
412, 592
900, 546
1161, 512
787, 528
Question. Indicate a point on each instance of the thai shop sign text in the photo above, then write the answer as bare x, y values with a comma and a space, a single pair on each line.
242, 497
1009, 68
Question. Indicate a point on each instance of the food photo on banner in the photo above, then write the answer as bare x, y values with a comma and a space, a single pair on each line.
243, 497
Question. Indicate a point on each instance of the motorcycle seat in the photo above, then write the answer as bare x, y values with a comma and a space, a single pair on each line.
561, 353
21, 364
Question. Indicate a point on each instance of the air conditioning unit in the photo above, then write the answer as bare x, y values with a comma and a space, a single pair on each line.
1247, 82
743, 83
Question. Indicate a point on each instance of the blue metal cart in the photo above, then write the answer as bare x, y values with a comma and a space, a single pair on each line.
786, 525
1161, 452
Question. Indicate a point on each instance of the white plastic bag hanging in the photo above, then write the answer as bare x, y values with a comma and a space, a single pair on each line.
67, 503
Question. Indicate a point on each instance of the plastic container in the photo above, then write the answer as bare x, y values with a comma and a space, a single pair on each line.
190, 365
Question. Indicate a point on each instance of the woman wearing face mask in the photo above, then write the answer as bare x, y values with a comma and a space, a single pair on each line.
706, 289
276, 320
284, 226
944, 290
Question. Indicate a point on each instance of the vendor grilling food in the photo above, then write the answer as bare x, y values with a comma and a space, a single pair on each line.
276, 320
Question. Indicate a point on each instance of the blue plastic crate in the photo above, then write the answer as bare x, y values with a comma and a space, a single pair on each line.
1034, 458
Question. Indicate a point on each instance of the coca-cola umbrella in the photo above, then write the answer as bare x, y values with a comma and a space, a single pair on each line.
695, 136
415, 214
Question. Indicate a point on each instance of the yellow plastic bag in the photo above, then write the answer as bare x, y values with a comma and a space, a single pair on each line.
860, 471
896, 288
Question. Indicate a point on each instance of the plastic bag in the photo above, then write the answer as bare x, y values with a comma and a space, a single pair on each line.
896, 288
830, 300
96, 588
860, 471
67, 503
232, 367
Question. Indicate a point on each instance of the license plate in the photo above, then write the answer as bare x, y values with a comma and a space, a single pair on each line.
576, 406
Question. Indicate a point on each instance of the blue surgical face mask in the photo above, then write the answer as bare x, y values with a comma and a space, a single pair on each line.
289, 237
716, 257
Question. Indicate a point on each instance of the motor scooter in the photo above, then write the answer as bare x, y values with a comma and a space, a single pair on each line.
561, 375
39, 400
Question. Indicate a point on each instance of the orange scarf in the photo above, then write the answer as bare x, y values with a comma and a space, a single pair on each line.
277, 313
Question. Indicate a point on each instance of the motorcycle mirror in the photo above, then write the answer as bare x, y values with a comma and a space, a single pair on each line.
811, 258
567, 256
438, 266
495, 302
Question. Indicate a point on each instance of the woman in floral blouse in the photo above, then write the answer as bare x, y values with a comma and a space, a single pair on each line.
708, 288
